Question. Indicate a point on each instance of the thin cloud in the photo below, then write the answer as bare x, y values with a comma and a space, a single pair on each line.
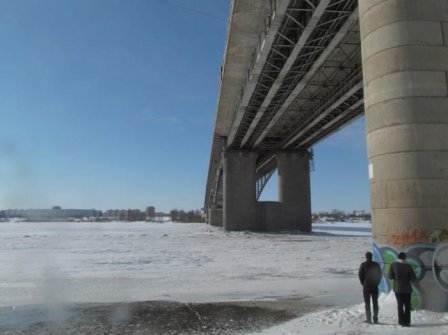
198, 121
150, 116
191, 98
165, 119
196, 11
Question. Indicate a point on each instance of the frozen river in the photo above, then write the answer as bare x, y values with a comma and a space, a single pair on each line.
120, 262
188, 279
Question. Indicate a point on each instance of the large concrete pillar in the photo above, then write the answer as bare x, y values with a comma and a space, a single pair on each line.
405, 65
294, 190
240, 204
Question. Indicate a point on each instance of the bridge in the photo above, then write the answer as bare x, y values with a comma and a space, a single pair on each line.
295, 72
291, 77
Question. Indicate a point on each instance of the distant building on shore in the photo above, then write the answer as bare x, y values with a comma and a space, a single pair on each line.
150, 212
54, 213
125, 215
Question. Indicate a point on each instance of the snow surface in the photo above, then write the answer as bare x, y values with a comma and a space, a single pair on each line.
48, 263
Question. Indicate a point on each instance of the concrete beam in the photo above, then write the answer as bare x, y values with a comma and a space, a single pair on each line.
243, 30
260, 55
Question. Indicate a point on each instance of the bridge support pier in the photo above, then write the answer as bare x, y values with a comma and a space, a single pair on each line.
215, 216
241, 209
405, 70
294, 190
240, 204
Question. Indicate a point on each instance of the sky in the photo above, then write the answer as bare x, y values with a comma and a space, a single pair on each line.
111, 104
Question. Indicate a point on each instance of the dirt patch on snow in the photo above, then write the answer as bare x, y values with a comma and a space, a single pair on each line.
153, 317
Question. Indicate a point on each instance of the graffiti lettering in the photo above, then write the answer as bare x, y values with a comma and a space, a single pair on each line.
405, 238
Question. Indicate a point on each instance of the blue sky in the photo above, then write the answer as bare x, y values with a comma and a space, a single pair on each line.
111, 104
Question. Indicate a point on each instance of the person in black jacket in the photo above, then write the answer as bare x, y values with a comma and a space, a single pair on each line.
370, 276
402, 274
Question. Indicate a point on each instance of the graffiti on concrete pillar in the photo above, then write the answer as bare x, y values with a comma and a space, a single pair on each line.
427, 252
437, 236
440, 265
416, 256
409, 237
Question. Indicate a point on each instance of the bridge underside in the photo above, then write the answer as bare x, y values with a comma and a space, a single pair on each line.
296, 71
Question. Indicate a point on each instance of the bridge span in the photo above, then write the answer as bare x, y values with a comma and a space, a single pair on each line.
295, 72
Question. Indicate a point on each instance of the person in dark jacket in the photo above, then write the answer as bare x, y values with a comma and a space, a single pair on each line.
402, 274
370, 276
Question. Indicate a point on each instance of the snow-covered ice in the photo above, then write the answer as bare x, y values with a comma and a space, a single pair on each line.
48, 263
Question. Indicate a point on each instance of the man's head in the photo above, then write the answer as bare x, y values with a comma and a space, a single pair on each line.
369, 255
402, 256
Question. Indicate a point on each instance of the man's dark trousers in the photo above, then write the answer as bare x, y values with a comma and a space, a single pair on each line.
404, 308
371, 292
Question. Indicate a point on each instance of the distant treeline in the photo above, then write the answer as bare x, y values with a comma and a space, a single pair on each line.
186, 216
149, 214
341, 215
50, 214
